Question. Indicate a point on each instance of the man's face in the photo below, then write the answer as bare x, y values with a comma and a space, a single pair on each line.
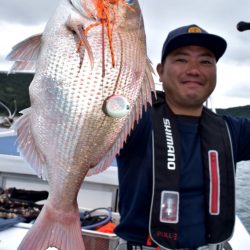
189, 77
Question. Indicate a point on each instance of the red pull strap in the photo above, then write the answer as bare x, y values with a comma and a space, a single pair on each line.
150, 243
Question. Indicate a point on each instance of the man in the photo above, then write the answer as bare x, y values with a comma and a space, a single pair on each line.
176, 171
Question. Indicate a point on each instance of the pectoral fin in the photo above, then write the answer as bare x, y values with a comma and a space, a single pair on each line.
76, 26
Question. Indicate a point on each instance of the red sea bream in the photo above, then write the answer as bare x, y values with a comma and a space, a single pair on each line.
92, 79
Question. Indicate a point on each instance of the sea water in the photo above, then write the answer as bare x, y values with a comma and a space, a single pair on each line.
243, 193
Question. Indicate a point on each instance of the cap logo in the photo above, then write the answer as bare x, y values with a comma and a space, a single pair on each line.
194, 29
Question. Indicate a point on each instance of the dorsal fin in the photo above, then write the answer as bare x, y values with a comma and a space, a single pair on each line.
25, 53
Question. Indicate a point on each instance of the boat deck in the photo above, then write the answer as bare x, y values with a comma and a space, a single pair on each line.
97, 191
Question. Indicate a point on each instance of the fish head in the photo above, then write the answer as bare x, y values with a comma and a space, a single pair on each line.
109, 12
113, 16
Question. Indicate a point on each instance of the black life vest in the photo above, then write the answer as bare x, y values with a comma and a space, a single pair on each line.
219, 171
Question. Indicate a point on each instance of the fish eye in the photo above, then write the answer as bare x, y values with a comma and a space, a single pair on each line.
130, 2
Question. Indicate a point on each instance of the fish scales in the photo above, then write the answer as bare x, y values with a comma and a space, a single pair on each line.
66, 134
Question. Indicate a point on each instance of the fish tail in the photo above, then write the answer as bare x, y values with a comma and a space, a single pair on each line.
54, 229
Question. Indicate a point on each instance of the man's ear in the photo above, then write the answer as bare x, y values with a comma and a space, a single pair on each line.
159, 69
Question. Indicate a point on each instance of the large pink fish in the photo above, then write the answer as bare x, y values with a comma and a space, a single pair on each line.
92, 79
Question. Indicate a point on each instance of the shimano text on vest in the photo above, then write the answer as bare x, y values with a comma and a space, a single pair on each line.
170, 145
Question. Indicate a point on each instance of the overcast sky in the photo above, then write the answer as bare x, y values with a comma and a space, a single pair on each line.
22, 18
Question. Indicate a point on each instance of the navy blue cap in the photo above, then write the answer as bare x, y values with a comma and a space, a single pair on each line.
193, 35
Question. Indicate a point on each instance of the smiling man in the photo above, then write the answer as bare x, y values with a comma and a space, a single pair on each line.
188, 68
177, 168
189, 77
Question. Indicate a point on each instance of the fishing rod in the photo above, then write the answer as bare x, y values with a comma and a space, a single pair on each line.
6, 121
242, 26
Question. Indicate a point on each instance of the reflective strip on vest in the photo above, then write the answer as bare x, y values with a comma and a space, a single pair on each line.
214, 206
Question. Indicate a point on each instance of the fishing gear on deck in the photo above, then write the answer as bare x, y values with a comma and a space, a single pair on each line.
15, 203
6, 121
92, 220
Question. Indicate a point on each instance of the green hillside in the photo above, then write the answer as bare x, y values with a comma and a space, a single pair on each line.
14, 87
241, 111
